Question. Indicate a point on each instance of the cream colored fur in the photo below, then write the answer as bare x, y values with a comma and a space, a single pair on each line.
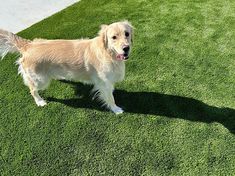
98, 61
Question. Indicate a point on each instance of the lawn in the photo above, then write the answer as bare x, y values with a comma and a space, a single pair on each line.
178, 97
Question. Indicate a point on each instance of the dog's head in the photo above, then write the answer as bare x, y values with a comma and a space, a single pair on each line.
117, 38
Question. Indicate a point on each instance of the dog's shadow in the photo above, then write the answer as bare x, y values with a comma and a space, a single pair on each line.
156, 104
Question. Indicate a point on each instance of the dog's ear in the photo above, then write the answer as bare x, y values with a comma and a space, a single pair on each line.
129, 25
103, 34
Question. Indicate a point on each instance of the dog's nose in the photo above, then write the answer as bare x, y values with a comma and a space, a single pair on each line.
126, 48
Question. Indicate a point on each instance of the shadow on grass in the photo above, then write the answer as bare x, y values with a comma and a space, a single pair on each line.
156, 104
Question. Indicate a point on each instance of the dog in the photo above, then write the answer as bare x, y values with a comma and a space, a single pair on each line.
99, 61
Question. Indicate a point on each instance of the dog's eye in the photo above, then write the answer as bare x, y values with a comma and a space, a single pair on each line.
127, 34
114, 37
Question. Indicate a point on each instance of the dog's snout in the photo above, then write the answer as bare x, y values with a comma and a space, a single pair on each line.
126, 48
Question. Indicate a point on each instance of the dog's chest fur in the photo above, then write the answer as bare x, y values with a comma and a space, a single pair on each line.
112, 72
117, 72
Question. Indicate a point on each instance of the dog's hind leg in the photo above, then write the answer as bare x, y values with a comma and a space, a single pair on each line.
34, 81
34, 92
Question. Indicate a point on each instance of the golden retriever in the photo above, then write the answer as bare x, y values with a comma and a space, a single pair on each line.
98, 61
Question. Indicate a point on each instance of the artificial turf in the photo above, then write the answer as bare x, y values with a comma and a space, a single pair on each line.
178, 97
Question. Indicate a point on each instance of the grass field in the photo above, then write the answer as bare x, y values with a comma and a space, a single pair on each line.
178, 97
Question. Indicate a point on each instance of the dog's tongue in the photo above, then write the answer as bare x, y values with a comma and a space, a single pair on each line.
120, 57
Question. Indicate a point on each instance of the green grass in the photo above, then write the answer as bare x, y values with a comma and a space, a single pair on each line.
178, 97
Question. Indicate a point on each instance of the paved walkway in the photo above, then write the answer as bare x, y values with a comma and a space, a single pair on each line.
16, 15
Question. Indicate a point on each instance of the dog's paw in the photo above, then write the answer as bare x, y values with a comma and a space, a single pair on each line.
117, 110
41, 102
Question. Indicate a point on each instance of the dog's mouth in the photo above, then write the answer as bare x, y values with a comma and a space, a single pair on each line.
122, 57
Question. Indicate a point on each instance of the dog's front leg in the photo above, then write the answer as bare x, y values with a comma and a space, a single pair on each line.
106, 95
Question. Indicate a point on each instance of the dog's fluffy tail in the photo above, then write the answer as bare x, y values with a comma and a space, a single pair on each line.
10, 43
